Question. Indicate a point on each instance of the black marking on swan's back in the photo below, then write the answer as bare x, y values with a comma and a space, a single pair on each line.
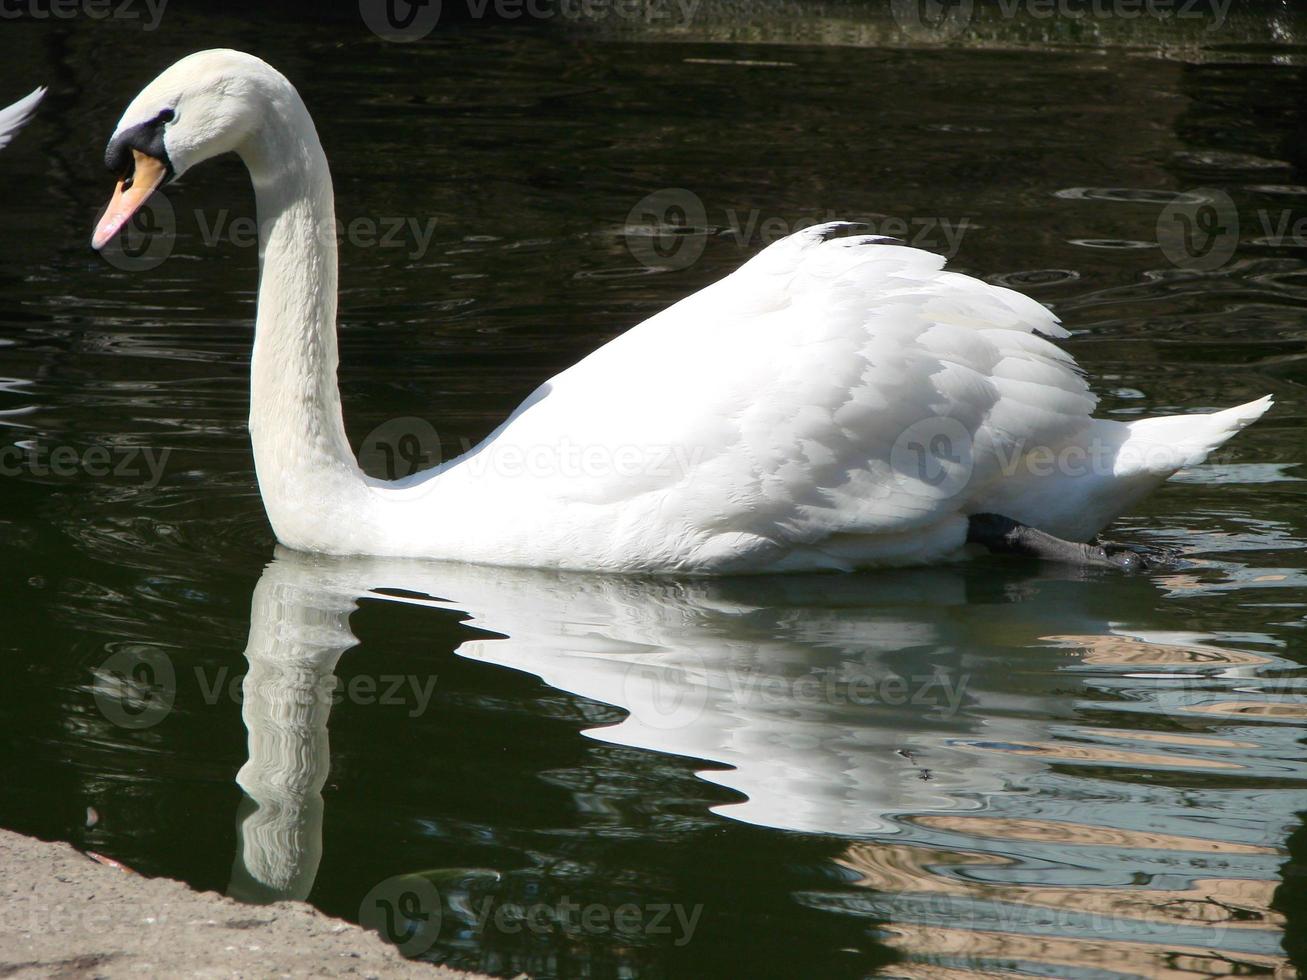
841, 229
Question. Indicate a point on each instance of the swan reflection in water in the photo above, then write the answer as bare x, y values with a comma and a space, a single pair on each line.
892, 707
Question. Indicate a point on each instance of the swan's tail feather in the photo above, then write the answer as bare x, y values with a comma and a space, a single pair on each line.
1161, 446
1122, 463
14, 117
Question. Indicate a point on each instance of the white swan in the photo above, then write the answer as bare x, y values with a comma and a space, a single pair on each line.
837, 402
15, 117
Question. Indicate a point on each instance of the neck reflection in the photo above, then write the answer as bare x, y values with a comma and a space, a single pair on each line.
831, 704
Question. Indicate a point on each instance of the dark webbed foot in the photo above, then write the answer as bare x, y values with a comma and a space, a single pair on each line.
1005, 536
1136, 557
1119, 556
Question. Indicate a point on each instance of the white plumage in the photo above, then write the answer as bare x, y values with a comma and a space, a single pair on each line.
837, 402
15, 117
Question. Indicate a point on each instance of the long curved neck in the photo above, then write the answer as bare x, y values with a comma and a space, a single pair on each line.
316, 496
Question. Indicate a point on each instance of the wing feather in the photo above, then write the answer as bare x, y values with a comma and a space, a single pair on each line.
14, 117
802, 390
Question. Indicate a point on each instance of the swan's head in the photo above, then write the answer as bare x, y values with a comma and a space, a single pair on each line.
209, 103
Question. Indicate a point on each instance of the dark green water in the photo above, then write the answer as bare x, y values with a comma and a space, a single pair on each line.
977, 769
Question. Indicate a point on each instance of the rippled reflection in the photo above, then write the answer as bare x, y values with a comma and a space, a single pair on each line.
1007, 756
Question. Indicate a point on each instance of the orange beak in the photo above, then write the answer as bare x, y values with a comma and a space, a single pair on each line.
132, 191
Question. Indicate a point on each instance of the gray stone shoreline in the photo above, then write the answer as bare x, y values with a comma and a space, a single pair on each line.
62, 914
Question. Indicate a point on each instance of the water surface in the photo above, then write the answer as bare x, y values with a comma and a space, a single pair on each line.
980, 769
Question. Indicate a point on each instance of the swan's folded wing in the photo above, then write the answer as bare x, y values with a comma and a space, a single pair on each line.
830, 386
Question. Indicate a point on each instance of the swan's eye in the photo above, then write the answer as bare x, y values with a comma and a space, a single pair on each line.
168, 115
